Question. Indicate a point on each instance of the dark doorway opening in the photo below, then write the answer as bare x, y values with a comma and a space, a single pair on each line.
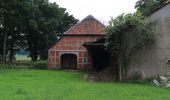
101, 60
69, 61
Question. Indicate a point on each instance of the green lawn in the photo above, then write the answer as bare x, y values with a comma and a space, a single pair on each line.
22, 58
26, 84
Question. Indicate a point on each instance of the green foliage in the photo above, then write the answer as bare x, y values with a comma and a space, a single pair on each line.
125, 35
131, 30
40, 65
24, 65
32, 25
146, 6
136, 75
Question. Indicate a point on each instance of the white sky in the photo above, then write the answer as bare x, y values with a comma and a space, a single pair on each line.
101, 9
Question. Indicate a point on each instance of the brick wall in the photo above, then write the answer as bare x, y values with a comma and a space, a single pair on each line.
89, 29
71, 45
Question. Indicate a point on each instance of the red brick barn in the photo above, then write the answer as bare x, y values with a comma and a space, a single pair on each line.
68, 52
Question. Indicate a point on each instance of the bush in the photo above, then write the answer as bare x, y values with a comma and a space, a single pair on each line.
24, 64
13, 66
136, 75
40, 65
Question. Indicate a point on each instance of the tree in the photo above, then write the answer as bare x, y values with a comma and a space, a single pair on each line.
32, 25
45, 23
10, 27
56, 22
146, 6
126, 34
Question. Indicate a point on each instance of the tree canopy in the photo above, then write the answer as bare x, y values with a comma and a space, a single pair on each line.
146, 6
32, 25
125, 35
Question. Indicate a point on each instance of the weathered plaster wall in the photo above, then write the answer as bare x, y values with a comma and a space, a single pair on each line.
152, 61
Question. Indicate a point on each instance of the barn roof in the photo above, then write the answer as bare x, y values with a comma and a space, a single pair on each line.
97, 45
88, 26
91, 44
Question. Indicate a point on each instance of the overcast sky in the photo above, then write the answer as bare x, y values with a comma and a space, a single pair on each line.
101, 9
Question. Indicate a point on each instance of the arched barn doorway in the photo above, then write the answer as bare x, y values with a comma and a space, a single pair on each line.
68, 61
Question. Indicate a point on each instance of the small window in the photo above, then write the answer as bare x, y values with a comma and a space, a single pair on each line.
85, 60
168, 62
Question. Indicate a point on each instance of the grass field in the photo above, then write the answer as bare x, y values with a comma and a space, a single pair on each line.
24, 84
22, 57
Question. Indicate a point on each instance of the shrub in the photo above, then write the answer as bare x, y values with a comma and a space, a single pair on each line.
24, 64
40, 65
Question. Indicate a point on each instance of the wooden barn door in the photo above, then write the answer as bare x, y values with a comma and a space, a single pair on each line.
69, 61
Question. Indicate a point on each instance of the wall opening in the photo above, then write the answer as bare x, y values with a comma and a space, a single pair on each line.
69, 61
101, 60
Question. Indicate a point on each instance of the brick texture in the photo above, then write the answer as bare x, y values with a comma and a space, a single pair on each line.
71, 42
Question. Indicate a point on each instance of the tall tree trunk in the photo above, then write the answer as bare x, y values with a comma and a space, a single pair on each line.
34, 54
4, 46
43, 55
120, 69
120, 73
11, 52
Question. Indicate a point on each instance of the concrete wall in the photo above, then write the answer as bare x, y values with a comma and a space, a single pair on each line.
152, 61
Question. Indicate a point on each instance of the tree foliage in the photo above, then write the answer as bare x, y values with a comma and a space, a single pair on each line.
145, 6
125, 35
32, 25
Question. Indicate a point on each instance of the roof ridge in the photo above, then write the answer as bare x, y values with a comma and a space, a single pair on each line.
89, 17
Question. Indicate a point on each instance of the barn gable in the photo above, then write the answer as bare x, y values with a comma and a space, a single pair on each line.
88, 26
